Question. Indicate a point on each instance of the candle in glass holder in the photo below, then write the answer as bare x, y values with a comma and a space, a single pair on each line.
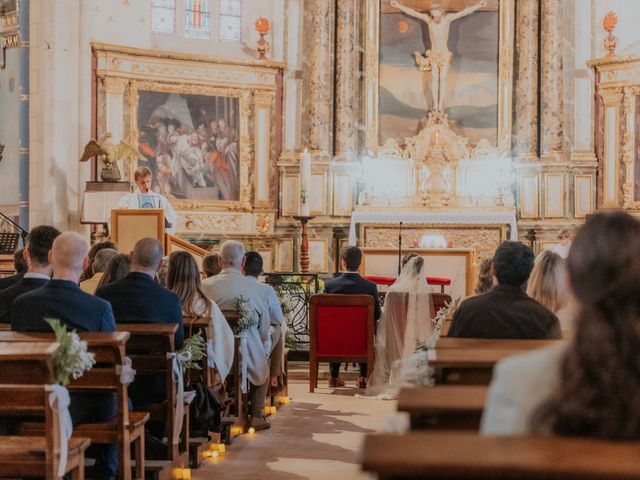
305, 184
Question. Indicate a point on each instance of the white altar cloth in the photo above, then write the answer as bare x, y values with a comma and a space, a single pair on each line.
475, 217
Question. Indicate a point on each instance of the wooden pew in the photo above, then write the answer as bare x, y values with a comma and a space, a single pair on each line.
234, 380
127, 428
148, 347
25, 368
494, 343
462, 456
197, 445
474, 366
454, 407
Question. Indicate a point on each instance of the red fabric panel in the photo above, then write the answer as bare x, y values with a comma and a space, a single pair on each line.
342, 330
381, 280
438, 281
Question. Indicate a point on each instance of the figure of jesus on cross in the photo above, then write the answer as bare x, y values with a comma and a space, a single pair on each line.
438, 58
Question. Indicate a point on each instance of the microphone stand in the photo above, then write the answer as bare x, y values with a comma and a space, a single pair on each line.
23, 232
400, 249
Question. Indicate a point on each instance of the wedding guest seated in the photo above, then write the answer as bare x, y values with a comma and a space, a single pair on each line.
485, 277
19, 268
224, 289
61, 298
183, 278
118, 267
137, 298
350, 282
589, 387
36, 254
88, 272
211, 265
253, 268
506, 311
98, 267
549, 286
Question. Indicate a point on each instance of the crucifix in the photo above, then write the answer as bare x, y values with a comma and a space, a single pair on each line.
438, 58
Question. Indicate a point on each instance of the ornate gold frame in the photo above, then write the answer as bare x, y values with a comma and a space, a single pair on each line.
244, 202
505, 73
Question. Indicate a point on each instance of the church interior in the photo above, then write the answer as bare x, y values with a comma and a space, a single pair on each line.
332, 152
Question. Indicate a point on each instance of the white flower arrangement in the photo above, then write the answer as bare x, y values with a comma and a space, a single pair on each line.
412, 371
439, 320
72, 358
248, 315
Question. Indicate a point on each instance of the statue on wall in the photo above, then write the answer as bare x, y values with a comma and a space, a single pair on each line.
110, 155
438, 58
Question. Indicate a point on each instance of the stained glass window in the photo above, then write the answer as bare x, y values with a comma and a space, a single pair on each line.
163, 16
231, 20
197, 19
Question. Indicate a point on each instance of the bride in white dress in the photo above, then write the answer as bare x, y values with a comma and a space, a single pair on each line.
406, 323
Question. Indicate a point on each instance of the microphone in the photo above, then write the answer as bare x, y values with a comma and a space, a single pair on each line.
400, 249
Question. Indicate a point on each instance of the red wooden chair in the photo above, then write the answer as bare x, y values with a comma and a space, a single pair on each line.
341, 329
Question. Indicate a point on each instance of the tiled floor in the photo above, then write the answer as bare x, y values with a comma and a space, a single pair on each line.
316, 436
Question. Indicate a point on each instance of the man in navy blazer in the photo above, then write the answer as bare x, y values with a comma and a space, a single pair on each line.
36, 255
138, 298
350, 282
62, 299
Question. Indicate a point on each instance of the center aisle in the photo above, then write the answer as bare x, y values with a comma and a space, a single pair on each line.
316, 436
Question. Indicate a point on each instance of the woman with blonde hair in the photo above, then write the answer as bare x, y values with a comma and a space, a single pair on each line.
549, 285
183, 278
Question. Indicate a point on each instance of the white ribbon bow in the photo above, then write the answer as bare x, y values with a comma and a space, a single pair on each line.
127, 373
178, 377
244, 352
60, 400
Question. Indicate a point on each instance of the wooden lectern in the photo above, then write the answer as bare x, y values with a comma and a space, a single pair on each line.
128, 225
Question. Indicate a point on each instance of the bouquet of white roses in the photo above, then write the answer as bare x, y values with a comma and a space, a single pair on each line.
72, 358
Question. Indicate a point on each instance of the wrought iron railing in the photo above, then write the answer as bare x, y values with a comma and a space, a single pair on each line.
298, 288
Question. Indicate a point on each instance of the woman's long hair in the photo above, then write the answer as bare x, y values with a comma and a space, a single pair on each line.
599, 390
87, 273
183, 277
548, 281
485, 277
118, 267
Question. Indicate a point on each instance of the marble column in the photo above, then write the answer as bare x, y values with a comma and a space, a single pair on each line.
317, 95
526, 82
346, 69
551, 81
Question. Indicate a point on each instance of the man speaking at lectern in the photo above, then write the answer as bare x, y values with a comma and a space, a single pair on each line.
144, 197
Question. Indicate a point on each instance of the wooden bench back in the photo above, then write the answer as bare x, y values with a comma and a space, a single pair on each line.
26, 363
22, 400
466, 456
148, 347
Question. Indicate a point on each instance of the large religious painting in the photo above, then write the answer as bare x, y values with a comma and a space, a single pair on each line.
191, 144
439, 56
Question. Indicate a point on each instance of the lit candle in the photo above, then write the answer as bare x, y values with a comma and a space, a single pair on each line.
305, 184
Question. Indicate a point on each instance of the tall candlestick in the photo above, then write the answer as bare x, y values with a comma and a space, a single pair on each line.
305, 184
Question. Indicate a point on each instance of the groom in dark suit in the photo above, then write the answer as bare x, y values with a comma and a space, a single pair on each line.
350, 282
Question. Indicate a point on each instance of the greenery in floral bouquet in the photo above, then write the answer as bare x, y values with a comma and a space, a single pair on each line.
197, 347
248, 317
72, 358
285, 301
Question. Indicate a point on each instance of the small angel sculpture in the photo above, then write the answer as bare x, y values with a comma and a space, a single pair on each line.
110, 154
